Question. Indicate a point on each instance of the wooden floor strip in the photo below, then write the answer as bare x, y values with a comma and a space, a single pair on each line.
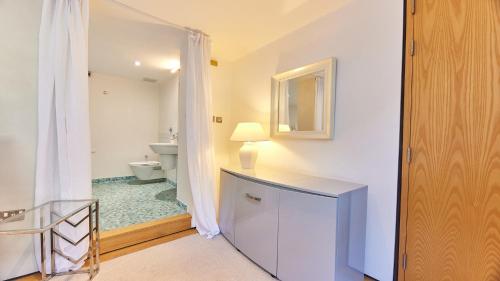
147, 244
134, 234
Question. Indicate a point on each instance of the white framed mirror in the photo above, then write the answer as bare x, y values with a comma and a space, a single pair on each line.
303, 101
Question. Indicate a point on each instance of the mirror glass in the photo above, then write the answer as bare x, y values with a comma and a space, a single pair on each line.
301, 102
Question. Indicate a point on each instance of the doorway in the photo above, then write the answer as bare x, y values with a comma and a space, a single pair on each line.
134, 64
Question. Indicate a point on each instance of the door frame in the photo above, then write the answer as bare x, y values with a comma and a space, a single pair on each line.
404, 141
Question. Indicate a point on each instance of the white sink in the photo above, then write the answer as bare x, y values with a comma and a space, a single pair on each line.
164, 148
168, 155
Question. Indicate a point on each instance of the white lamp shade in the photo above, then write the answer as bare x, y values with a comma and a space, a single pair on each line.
249, 131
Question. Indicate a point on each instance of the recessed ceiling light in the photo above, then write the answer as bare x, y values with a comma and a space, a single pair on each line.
137, 63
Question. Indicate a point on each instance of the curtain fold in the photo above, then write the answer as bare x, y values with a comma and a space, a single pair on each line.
319, 102
199, 138
284, 104
63, 151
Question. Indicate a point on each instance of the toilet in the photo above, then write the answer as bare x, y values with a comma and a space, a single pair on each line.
146, 170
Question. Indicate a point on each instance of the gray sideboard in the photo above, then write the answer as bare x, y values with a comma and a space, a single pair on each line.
296, 227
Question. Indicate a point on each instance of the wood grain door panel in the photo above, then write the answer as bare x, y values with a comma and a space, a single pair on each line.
453, 183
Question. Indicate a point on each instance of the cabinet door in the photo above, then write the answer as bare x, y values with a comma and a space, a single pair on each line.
228, 192
256, 224
307, 236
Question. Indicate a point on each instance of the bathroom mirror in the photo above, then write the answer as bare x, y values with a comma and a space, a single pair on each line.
303, 101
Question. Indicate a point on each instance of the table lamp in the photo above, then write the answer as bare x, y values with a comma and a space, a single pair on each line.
248, 133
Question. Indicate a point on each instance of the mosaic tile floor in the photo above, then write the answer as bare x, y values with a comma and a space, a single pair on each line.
122, 204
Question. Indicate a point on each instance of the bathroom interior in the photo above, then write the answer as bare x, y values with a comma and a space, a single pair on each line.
133, 91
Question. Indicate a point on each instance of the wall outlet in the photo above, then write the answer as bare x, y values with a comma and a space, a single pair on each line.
10, 213
216, 119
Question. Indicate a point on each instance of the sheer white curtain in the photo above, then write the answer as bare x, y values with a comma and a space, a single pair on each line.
319, 102
284, 104
199, 139
63, 152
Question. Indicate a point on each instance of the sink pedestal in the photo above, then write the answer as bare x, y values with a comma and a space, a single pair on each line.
168, 156
168, 161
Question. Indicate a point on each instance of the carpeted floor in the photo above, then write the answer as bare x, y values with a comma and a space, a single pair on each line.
192, 258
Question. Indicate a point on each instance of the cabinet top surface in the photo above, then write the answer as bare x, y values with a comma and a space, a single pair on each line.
297, 181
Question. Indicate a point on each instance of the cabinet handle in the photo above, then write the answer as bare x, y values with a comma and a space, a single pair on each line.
249, 196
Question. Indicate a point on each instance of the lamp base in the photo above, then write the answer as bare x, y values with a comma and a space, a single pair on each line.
248, 155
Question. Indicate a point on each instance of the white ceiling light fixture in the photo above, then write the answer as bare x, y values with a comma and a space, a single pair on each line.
137, 63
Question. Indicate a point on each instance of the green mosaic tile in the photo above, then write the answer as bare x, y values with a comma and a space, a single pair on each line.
122, 204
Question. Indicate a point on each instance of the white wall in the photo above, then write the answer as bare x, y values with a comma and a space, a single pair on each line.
169, 107
221, 92
19, 25
123, 123
366, 38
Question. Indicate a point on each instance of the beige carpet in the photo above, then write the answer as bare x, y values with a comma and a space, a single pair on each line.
191, 258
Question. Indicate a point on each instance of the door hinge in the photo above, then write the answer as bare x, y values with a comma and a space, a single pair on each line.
412, 6
405, 261
408, 154
412, 47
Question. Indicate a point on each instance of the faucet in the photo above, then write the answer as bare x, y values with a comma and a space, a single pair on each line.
173, 136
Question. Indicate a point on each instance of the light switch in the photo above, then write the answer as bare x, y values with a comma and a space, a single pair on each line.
7, 214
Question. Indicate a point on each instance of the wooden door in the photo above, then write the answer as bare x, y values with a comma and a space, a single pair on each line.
450, 215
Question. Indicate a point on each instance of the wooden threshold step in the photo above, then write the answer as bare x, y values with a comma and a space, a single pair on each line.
134, 234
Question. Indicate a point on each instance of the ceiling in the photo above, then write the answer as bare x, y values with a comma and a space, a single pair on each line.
238, 27
118, 37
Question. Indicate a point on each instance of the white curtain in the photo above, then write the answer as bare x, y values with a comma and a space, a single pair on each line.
283, 104
199, 139
63, 152
319, 102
